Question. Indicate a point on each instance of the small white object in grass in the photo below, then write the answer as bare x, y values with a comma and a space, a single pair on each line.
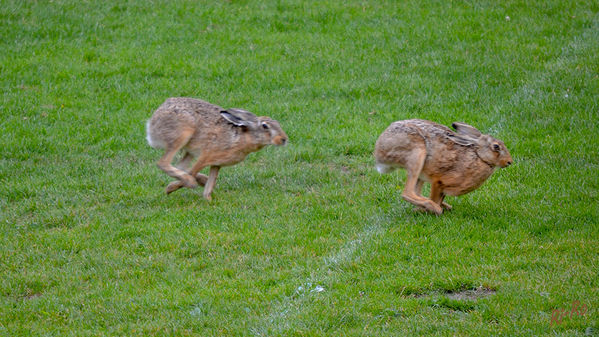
507, 18
301, 290
317, 289
196, 311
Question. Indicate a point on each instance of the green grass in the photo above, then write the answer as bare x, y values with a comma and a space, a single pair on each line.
305, 240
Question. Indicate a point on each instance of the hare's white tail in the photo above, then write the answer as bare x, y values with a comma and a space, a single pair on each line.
155, 143
384, 168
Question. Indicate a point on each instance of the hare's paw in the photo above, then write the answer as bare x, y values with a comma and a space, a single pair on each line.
433, 207
189, 181
201, 179
446, 206
175, 185
421, 209
172, 187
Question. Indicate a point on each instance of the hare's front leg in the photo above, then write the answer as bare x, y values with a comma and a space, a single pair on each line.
200, 178
185, 161
211, 182
175, 185
207, 181
184, 164
437, 195
411, 193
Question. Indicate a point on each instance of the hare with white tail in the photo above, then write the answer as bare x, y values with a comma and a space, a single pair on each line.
454, 163
217, 137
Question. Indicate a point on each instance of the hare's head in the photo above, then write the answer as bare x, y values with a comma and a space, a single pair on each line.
491, 150
273, 133
264, 130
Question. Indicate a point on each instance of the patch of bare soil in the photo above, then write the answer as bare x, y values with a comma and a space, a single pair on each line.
470, 294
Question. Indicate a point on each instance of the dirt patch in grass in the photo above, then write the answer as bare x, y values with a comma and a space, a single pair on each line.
470, 294
458, 299
464, 294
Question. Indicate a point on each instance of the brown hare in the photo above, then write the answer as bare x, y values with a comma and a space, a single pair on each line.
454, 163
215, 136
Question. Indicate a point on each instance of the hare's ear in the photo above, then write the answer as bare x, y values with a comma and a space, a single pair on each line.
461, 139
239, 117
466, 130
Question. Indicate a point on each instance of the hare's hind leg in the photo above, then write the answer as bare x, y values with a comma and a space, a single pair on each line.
165, 163
418, 191
419, 184
411, 192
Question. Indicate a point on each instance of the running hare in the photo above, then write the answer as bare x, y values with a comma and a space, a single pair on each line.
453, 163
217, 137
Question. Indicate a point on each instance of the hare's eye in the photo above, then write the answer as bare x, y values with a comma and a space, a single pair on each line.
495, 147
265, 126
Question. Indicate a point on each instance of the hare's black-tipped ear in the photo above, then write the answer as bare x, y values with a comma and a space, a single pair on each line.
239, 117
466, 130
461, 139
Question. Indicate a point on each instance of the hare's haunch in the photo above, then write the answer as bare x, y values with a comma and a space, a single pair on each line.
215, 136
454, 163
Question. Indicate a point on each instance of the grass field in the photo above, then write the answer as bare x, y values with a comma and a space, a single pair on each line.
307, 239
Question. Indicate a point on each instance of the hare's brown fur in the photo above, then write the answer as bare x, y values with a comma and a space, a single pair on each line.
216, 136
453, 163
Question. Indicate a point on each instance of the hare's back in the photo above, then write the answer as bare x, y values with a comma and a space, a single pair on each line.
190, 106
184, 112
405, 132
399, 142
427, 128
178, 116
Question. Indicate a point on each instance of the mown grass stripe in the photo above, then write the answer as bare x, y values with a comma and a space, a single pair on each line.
277, 320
